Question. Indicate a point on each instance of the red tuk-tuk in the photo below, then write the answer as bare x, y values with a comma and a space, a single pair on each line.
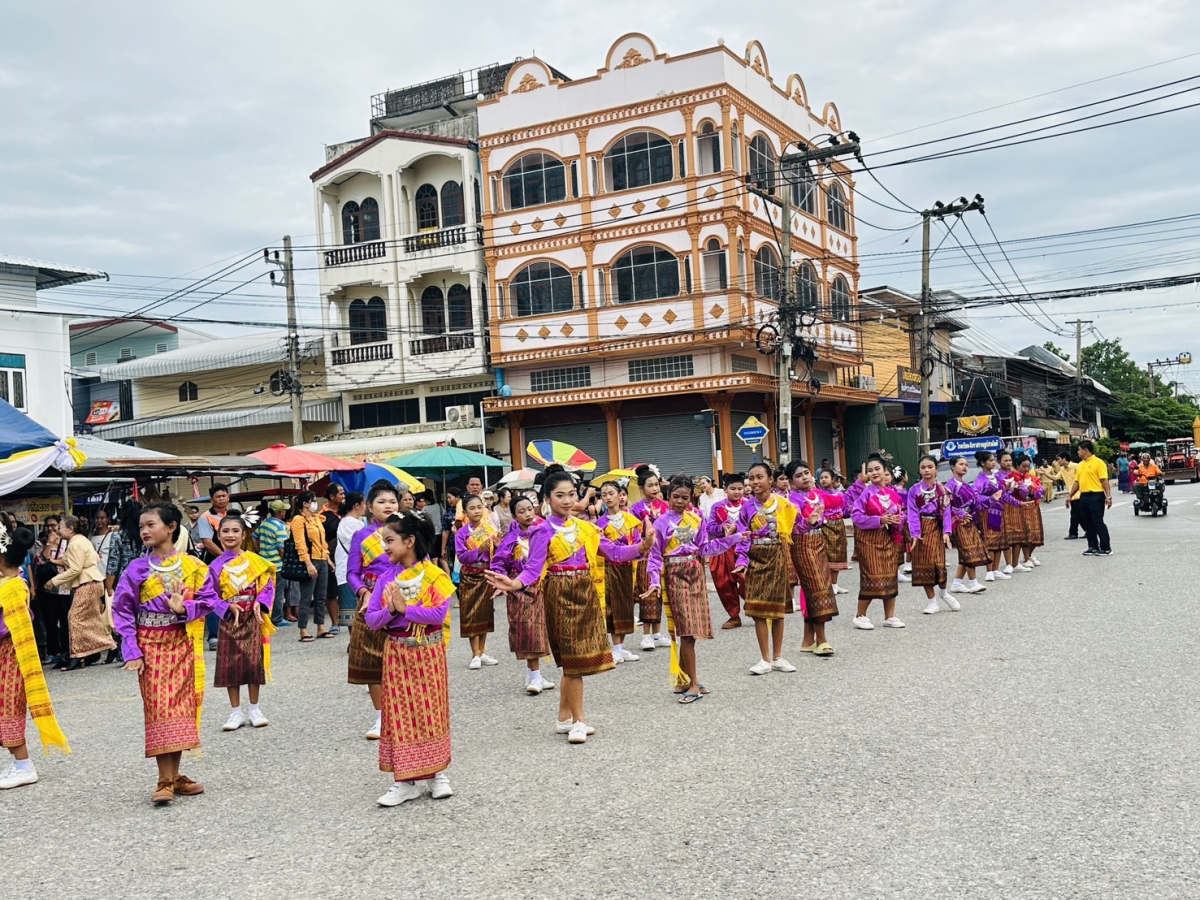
1181, 461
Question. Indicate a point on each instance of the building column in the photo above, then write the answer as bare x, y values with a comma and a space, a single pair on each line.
515, 445
841, 437
612, 418
722, 405
771, 444
808, 435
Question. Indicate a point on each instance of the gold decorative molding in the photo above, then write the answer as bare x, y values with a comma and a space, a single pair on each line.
757, 66
632, 59
528, 83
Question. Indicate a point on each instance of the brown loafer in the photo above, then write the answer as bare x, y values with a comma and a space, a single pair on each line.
186, 787
164, 793
732, 623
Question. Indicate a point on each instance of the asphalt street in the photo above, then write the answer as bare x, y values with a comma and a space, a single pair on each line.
1041, 743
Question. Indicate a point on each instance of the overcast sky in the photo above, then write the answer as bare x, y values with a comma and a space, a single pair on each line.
162, 139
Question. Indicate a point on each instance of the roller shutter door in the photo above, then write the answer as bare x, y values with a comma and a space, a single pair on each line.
590, 437
823, 443
673, 443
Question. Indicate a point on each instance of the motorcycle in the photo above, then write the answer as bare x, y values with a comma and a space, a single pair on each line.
1150, 499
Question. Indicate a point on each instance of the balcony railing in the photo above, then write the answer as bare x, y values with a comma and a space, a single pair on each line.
442, 343
443, 237
361, 353
353, 253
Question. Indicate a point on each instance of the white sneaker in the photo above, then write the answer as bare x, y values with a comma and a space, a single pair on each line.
959, 588
488, 660
475, 663
616, 656
400, 792
1007, 570
930, 609
13, 777
762, 667
236, 720
782, 665
1034, 560
990, 576
1004, 576
893, 622
954, 605
626, 656
257, 719
648, 642
975, 588
1021, 567
373, 734
579, 733
838, 589
662, 640
533, 686
546, 685
907, 567
439, 788
565, 727
904, 578
864, 623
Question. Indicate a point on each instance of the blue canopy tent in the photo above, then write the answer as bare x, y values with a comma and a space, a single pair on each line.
28, 449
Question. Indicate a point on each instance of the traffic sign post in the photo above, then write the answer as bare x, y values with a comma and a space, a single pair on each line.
970, 446
752, 433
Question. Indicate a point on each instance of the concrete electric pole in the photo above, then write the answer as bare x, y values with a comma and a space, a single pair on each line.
1079, 323
294, 387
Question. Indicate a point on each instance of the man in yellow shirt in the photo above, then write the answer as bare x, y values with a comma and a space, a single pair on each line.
1093, 495
1065, 472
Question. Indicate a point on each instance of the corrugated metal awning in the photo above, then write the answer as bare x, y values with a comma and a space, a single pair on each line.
184, 423
387, 446
213, 356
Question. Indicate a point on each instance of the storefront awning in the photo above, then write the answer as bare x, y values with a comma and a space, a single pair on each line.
1051, 429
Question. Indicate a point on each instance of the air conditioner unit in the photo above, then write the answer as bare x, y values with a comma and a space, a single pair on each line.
866, 383
460, 415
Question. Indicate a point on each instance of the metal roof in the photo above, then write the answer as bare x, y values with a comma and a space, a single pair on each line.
211, 420
52, 275
209, 356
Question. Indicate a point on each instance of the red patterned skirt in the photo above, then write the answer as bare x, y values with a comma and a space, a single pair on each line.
240, 651
878, 558
834, 535
364, 662
415, 739
619, 597
12, 696
768, 595
812, 565
575, 623
168, 683
476, 604
527, 624
1031, 514
929, 554
969, 543
687, 594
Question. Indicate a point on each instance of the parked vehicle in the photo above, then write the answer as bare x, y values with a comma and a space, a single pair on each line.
1181, 461
1151, 498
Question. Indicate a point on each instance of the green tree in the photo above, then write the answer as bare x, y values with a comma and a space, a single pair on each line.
1056, 350
1108, 363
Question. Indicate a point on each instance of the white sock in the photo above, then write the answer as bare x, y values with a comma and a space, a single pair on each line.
616, 649
253, 707
958, 582
23, 765
974, 583
378, 718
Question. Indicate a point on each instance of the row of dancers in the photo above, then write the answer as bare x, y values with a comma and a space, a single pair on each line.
570, 585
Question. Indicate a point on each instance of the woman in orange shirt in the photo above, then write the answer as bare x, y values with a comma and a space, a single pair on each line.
308, 533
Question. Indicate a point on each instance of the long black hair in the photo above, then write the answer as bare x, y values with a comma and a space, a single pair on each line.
19, 544
131, 523
352, 500
417, 527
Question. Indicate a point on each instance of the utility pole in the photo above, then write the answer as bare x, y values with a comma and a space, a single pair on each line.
1079, 323
1183, 359
925, 343
294, 387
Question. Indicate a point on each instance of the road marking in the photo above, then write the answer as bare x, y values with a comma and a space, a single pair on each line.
1119, 505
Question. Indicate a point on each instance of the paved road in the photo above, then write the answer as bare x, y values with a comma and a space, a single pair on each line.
1041, 743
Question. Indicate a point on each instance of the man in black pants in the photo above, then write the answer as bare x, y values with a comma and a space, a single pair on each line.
1065, 472
1093, 495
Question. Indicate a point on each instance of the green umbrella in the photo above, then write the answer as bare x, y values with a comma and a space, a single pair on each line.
445, 461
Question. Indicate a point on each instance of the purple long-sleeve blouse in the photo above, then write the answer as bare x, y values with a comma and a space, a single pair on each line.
696, 543
769, 530
864, 512
127, 603
964, 501
926, 500
362, 569
265, 596
478, 557
539, 550
379, 617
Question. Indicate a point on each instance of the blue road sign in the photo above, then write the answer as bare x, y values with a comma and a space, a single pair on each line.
968, 446
752, 433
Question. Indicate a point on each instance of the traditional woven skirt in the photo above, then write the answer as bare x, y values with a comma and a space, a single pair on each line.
619, 597
477, 608
834, 535
527, 624
575, 623
767, 592
969, 543
1013, 527
649, 608
415, 739
12, 696
731, 589
929, 554
878, 557
993, 539
168, 683
687, 592
89, 629
364, 663
240, 652
1035, 535
812, 564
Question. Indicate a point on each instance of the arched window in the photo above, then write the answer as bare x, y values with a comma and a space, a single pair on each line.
808, 289
351, 224
804, 190
542, 287
839, 217
645, 273
638, 160
766, 273
839, 300
427, 207
458, 302
433, 311
713, 263
762, 164
369, 220
188, 391
534, 179
454, 212
368, 321
279, 382
708, 146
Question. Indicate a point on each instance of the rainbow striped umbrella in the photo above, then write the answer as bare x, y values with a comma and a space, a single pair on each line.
547, 452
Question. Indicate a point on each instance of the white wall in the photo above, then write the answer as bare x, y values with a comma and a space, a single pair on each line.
44, 343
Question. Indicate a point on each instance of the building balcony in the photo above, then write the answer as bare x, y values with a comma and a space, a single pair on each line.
362, 353
467, 236
355, 253
442, 343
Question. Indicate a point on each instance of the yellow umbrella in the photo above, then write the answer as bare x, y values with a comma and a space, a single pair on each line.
635, 493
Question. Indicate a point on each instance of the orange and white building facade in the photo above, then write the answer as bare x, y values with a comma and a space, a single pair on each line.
630, 266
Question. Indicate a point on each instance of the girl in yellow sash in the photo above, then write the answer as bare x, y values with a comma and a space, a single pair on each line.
475, 543
245, 592
22, 684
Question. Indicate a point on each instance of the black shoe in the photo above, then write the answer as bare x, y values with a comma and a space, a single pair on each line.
1102, 553
112, 655
72, 665
1091, 552
91, 660
1071, 537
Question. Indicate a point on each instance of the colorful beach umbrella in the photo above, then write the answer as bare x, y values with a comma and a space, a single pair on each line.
547, 452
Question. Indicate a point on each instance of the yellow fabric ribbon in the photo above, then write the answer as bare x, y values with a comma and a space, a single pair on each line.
372, 547
785, 517
589, 537
481, 535
193, 574
14, 602
436, 589
257, 573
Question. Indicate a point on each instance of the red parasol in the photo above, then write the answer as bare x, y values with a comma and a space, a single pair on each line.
301, 462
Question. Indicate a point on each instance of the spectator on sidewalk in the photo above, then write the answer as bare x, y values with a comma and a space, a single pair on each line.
1093, 494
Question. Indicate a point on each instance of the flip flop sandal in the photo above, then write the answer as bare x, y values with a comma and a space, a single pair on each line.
328, 634
333, 632
307, 639
686, 698
703, 690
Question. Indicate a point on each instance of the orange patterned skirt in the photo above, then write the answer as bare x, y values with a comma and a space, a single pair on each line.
88, 627
415, 740
768, 595
364, 662
878, 558
476, 604
929, 554
619, 597
527, 624
1031, 513
12, 696
810, 558
168, 683
687, 597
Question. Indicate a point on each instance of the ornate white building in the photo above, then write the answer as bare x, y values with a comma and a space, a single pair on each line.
630, 266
